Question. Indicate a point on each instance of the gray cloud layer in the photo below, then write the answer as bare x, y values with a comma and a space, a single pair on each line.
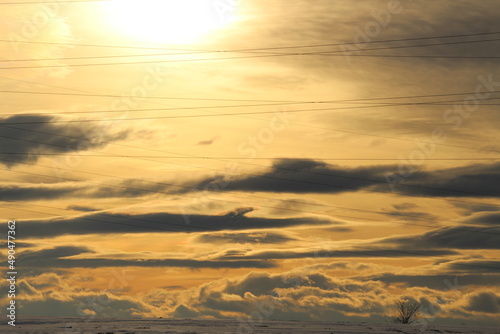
60, 257
309, 176
289, 176
42, 136
460, 237
105, 223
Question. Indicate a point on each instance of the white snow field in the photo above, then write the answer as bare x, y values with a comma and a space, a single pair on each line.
53, 325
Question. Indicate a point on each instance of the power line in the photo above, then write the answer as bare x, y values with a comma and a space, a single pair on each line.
245, 57
374, 42
302, 125
325, 53
168, 109
224, 114
87, 93
315, 127
265, 112
260, 48
417, 45
247, 100
331, 52
365, 105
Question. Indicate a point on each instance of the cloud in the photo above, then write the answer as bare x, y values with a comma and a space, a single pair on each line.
183, 312
350, 22
112, 188
163, 222
404, 206
476, 266
63, 257
208, 142
311, 176
306, 176
458, 237
286, 176
243, 238
484, 218
339, 229
36, 192
90, 304
53, 253
486, 302
412, 215
311, 295
437, 281
82, 208
51, 294
305, 293
469, 208
42, 136
325, 253
477, 180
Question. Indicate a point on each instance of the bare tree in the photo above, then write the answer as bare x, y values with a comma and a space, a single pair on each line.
407, 311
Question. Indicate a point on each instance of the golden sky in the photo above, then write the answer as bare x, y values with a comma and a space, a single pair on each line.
206, 158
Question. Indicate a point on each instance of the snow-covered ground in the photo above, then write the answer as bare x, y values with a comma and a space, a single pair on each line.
44, 325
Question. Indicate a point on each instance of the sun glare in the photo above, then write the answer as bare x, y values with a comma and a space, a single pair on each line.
167, 21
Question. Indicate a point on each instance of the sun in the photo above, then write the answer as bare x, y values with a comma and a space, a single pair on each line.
169, 21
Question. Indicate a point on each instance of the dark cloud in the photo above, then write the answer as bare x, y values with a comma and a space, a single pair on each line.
484, 218
310, 176
288, 296
404, 206
123, 188
264, 284
184, 312
42, 136
61, 257
290, 176
332, 253
207, 142
37, 192
239, 212
476, 266
437, 282
459, 237
53, 253
306, 176
83, 304
486, 302
360, 21
478, 180
413, 215
469, 208
313, 295
106, 223
172, 287
82, 208
339, 229
242, 238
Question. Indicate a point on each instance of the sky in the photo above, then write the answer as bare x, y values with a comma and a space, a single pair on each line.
251, 159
